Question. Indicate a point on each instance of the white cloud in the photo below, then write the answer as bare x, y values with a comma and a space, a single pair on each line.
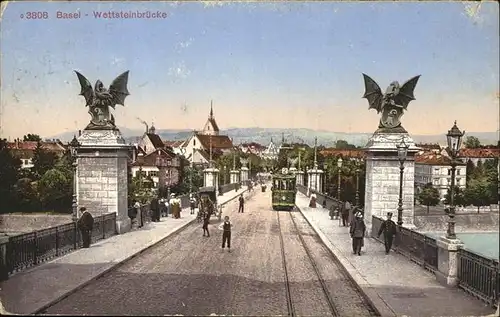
117, 61
179, 70
185, 44
473, 12
207, 4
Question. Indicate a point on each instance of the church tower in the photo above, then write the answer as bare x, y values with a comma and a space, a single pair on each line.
211, 127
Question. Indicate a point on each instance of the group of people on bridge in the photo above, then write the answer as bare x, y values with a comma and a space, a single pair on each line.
352, 217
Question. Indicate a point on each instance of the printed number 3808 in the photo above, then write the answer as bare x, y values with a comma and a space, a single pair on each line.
37, 15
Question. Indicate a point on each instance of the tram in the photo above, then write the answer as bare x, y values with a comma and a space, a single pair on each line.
283, 190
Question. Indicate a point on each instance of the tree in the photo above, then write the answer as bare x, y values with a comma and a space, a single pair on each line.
55, 191
472, 142
9, 171
32, 137
43, 160
138, 189
27, 196
341, 144
478, 193
429, 196
458, 196
470, 167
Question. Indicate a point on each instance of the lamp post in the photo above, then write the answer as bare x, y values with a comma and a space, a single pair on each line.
339, 165
357, 183
454, 138
402, 153
325, 188
225, 174
73, 146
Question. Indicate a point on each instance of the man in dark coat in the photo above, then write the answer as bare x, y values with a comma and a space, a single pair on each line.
155, 209
242, 203
388, 227
357, 231
85, 224
226, 233
207, 209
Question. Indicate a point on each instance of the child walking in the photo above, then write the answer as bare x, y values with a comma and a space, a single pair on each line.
226, 234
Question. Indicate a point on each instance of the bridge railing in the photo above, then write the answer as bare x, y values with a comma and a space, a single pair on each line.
418, 247
23, 251
330, 203
479, 276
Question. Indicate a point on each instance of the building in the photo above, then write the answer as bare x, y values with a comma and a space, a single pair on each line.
156, 162
24, 150
201, 144
479, 154
344, 153
252, 148
436, 169
270, 152
177, 146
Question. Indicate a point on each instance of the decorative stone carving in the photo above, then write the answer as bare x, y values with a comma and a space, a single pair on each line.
391, 104
100, 137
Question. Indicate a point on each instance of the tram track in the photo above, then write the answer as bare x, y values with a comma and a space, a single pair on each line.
341, 300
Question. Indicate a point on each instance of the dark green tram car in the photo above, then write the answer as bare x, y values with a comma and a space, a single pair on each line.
283, 190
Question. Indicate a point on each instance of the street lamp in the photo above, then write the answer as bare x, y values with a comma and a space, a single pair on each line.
73, 146
357, 182
225, 170
454, 138
402, 153
339, 165
325, 188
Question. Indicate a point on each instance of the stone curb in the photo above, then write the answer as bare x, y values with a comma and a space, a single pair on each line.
41, 310
381, 306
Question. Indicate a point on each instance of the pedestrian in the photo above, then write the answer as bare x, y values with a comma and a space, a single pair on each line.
175, 206
345, 213
242, 203
357, 231
140, 217
85, 224
388, 227
226, 233
206, 208
312, 201
192, 203
167, 206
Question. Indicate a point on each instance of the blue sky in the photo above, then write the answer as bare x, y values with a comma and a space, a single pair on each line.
263, 64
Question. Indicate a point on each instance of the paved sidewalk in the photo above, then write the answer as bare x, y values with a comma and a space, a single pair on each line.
35, 289
395, 285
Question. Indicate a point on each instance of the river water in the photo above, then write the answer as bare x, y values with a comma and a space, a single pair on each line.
482, 243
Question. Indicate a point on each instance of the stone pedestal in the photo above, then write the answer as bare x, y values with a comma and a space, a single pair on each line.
315, 179
234, 176
299, 178
102, 175
446, 273
244, 174
382, 177
292, 170
211, 178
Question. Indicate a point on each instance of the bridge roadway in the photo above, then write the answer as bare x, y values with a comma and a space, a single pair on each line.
190, 274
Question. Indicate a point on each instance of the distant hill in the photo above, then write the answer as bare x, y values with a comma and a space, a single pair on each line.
264, 135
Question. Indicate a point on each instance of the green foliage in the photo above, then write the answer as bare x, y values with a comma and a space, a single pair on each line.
190, 174
9, 171
478, 192
32, 137
27, 196
458, 197
139, 189
429, 196
341, 144
43, 161
55, 191
471, 142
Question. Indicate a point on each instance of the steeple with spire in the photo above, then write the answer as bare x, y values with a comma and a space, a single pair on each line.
211, 127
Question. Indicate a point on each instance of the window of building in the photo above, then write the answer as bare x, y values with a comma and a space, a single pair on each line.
194, 142
458, 181
449, 171
153, 173
435, 181
458, 171
436, 170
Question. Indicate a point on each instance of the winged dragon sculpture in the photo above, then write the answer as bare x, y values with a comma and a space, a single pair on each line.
99, 100
392, 103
